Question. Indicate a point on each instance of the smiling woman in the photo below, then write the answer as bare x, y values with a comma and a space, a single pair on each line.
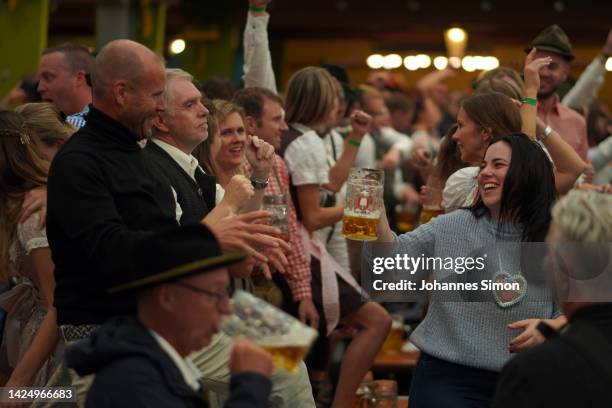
465, 344
230, 157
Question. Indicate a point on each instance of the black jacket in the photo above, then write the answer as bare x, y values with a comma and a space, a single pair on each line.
103, 197
196, 198
573, 369
132, 370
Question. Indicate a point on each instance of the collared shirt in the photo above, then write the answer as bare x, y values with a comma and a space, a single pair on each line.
191, 373
186, 161
569, 124
78, 119
298, 271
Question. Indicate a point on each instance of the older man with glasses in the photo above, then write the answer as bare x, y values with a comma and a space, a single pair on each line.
181, 281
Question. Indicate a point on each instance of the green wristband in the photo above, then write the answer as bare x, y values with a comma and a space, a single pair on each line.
257, 9
530, 101
354, 142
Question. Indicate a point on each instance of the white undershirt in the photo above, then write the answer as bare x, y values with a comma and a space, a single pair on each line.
191, 373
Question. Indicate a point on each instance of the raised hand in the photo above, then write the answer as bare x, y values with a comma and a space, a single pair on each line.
260, 155
532, 71
360, 124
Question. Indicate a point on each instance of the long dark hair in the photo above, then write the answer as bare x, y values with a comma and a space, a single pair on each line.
528, 191
449, 157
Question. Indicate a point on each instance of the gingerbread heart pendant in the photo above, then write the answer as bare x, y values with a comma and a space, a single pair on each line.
507, 295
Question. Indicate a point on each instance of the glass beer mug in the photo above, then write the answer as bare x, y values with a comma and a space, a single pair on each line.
285, 338
277, 205
364, 203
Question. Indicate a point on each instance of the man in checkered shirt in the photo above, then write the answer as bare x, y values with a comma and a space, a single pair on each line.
265, 119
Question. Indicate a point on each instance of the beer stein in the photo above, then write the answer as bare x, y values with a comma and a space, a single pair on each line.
432, 203
364, 203
285, 338
277, 205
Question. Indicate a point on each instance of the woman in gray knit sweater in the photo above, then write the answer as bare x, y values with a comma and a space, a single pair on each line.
469, 334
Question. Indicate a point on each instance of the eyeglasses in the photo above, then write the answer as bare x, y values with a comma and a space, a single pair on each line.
219, 297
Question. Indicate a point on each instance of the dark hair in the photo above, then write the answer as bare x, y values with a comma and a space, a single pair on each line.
528, 191
218, 88
78, 56
252, 100
398, 101
493, 110
595, 112
418, 108
449, 157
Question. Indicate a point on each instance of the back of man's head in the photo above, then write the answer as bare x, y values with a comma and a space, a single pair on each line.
252, 100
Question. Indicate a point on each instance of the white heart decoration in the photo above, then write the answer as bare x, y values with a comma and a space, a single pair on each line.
508, 298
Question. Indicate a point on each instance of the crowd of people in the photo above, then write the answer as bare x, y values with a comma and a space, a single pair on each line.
130, 212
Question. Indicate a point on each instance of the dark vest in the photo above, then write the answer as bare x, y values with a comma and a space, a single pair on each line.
287, 138
195, 198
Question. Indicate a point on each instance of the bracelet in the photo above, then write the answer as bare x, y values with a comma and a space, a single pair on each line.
530, 101
259, 184
257, 9
547, 131
353, 142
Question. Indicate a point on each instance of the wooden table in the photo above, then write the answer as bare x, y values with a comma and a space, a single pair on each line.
396, 363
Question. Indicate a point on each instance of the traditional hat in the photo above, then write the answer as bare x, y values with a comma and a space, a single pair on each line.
555, 40
175, 254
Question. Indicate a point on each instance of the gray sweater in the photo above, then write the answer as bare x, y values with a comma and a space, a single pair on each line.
470, 328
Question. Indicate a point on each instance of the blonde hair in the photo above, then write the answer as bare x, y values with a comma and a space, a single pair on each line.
508, 76
222, 109
310, 96
22, 168
584, 216
46, 122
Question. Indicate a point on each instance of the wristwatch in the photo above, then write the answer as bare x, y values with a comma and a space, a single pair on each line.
259, 184
547, 131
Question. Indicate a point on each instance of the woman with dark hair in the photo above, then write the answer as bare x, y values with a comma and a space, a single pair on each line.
30, 336
468, 334
488, 114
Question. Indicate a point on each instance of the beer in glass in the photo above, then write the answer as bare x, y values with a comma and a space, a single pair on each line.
285, 338
364, 203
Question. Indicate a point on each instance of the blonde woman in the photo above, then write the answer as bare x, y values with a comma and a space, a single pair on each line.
311, 106
49, 129
30, 337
